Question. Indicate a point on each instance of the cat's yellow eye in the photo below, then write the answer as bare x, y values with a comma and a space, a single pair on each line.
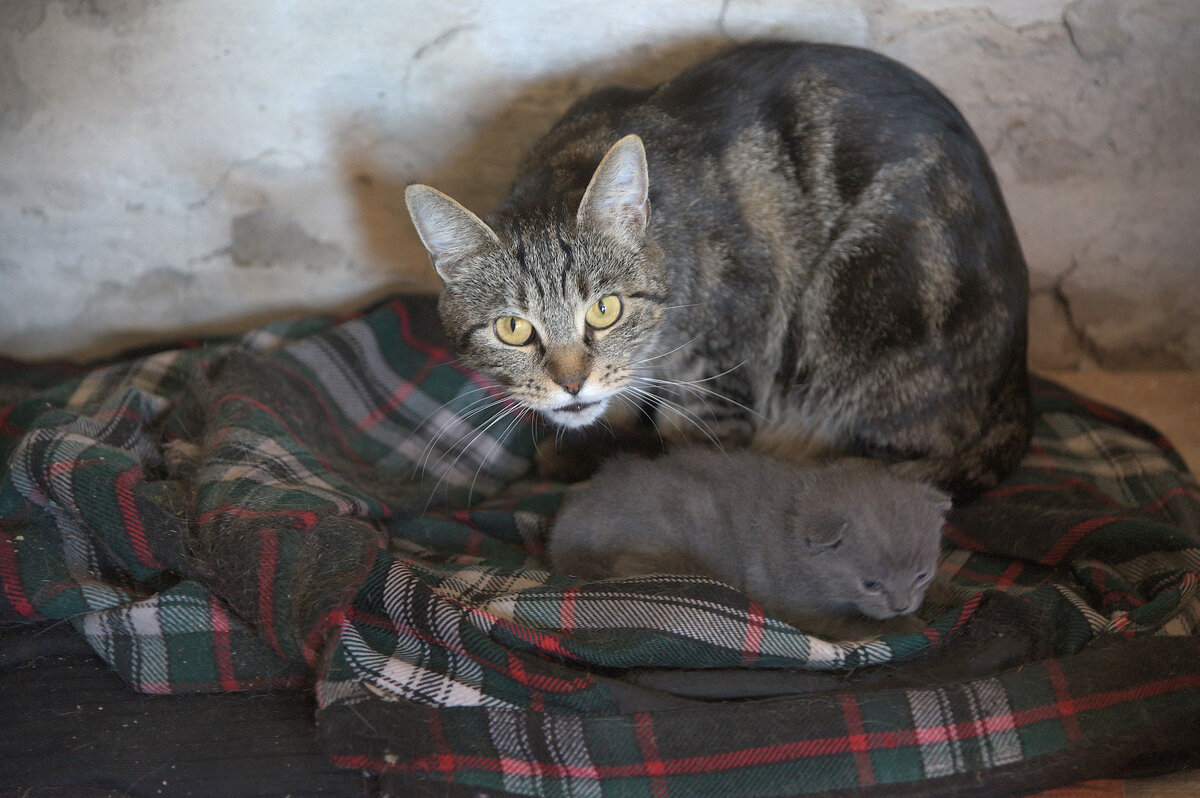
513, 330
604, 312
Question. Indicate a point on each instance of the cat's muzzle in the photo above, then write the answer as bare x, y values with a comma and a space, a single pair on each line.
576, 414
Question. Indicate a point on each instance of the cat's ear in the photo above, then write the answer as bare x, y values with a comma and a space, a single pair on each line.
939, 500
617, 200
449, 231
822, 531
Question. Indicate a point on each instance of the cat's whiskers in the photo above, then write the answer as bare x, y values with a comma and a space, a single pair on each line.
466, 414
638, 407
503, 436
688, 342
503, 402
701, 390
608, 427
462, 451
679, 410
458, 396
462, 416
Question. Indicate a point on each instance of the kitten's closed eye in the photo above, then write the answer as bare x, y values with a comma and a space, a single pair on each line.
872, 585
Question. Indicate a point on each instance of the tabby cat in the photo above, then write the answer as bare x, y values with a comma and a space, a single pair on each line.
797, 247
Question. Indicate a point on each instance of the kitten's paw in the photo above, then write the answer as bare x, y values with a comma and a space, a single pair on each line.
845, 628
901, 625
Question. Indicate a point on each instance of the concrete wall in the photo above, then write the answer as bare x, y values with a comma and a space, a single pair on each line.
169, 168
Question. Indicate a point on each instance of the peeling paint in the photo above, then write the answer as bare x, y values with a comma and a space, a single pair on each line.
22, 16
16, 103
268, 238
106, 13
1095, 29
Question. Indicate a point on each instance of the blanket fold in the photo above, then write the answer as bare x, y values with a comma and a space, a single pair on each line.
338, 502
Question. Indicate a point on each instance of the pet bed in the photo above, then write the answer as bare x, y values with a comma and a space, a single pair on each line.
338, 505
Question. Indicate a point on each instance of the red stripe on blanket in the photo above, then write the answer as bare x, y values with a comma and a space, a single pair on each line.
857, 739
10, 575
652, 763
306, 517
131, 519
222, 649
566, 613
752, 646
268, 560
1064, 544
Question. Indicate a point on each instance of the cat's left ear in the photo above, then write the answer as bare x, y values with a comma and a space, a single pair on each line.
822, 531
617, 200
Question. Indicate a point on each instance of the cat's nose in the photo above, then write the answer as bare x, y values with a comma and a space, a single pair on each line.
569, 368
901, 603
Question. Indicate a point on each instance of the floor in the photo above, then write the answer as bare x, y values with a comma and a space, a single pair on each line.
1171, 402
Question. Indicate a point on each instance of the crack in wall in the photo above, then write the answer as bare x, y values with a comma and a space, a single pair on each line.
721, 29
1089, 349
431, 46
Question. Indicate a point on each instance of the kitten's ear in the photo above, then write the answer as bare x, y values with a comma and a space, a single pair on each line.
941, 501
448, 230
617, 200
822, 531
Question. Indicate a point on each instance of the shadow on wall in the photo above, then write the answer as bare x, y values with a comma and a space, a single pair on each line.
479, 173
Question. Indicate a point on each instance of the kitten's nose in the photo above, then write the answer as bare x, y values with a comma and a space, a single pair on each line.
572, 387
900, 603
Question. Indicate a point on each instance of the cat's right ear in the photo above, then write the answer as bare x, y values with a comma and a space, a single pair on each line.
449, 231
617, 199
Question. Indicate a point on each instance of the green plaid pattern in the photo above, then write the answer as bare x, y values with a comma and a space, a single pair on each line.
339, 501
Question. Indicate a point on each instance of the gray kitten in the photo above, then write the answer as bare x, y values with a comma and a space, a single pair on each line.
798, 247
833, 548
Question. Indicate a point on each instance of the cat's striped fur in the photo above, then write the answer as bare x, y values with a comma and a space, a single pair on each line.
821, 257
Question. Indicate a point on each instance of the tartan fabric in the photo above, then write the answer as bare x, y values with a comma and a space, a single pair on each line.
338, 501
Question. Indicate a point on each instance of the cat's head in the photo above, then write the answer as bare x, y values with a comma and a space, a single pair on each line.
872, 539
561, 307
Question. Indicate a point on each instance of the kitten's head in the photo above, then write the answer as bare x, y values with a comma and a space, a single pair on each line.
558, 307
871, 538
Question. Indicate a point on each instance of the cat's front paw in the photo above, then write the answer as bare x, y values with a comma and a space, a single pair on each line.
575, 455
901, 625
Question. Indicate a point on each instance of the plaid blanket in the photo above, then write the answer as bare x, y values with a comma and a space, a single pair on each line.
338, 502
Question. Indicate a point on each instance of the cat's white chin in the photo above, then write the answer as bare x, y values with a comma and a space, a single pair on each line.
575, 415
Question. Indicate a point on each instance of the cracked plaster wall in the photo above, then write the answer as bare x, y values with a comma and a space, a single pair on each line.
172, 168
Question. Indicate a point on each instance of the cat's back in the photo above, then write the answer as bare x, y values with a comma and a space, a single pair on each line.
784, 81
805, 89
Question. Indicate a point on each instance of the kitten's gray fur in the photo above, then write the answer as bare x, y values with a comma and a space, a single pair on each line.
800, 539
809, 246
